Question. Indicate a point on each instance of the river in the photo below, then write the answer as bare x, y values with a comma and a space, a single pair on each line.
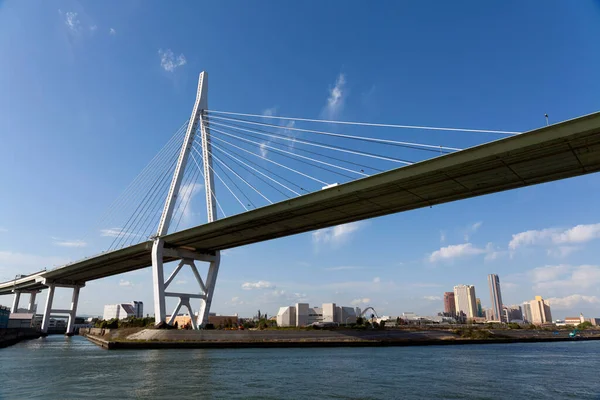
64, 368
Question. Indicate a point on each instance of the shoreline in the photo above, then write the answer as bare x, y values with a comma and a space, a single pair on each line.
151, 339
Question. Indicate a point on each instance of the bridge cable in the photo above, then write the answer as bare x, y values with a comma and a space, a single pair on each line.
212, 193
242, 179
256, 176
288, 152
367, 123
221, 179
412, 145
266, 169
309, 151
330, 147
284, 153
254, 169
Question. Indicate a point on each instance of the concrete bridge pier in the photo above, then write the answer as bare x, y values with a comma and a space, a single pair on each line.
71, 311
17, 300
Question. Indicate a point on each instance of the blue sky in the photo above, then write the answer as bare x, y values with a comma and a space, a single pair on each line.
90, 92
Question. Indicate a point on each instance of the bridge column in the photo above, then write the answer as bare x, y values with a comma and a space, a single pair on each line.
158, 280
16, 299
73, 309
48, 308
211, 281
32, 297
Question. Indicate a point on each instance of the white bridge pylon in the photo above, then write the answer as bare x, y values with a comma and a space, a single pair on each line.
187, 256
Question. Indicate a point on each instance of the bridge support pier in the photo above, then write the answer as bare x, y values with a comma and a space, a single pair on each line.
205, 293
71, 312
16, 299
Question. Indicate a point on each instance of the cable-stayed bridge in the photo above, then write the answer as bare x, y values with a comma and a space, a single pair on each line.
276, 179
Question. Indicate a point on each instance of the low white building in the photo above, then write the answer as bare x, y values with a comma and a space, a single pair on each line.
123, 310
302, 314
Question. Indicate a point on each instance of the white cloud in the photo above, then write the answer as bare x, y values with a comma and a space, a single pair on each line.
125, 283
270, 112
341, 268
337, 234
562, 251
569, 302
169, 62
376, 279
93, 28
555, 236
72, 21
455, 251
113, 32
442, 237
257, 285
471, 230
263, 149
357, 302
565, 278
116, 232
181, 282
20, 263
337, 97
68, 243
432, 298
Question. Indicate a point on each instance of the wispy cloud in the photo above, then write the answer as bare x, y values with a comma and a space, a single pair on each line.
342, 268
471, 229
432, 298
358, 302
68, 243
555, 236
116, 232
336, 99
3, 229
565, 278
181, 282
93, 28
169, 62
125, 283
257, 285
335, 235
377, 280
71, 21
113, 32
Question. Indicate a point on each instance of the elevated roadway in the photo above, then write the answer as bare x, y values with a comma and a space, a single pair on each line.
559, 151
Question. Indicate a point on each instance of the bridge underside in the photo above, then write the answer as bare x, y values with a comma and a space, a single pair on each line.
560, 151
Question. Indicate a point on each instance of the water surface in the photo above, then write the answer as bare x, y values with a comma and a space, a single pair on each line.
63, 368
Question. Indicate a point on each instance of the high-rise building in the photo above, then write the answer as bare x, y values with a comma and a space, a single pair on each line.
464, 299
449, 305
526, 312
513, 313
540, 311
479, 308
495, 297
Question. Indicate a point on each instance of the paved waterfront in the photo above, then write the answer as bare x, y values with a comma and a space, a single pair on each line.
71, 368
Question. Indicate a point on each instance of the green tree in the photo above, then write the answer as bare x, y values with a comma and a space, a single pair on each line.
359, 321
585, 325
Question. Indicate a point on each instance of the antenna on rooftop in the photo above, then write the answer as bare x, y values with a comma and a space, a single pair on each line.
546, 115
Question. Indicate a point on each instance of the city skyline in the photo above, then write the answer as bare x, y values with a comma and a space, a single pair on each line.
107, 99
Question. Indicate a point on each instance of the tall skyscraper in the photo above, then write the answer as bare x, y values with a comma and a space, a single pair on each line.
479, 308
449, 304
527, 312
464, 298
540, 311
495, 297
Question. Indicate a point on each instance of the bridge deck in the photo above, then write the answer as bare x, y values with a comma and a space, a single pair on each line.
564, 150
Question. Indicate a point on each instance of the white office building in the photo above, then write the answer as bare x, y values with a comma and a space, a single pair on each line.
302, 314
123, 310
465, 300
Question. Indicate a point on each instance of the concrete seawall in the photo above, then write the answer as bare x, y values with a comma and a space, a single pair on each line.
171, 339
8, 337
